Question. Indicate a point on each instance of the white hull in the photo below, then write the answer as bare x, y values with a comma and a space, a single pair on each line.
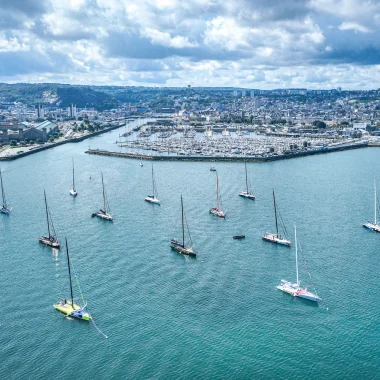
103, 216
296, 291
217, 212
73, 192
371, 226
273, 238
152, 200
244, 194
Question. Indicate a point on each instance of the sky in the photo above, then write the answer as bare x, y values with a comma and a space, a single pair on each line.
262, 44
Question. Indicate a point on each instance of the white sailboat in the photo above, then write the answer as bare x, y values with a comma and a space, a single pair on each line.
154, 197
294, 289
226, 132
105, 212
276, 238
217, 210
208, 132
73, 191
369, 225
246, 194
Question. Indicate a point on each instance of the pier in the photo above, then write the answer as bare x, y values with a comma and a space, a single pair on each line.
229, 158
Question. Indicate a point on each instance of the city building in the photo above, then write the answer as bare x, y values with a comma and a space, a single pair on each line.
39, 112
72, 111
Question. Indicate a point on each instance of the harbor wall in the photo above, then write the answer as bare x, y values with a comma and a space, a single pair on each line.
139, 156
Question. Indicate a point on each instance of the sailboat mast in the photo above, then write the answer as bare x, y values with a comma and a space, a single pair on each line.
153, 182
2, 190
246, 177
104, 195
295, 240
275, 212
217, 191
183, 224
73, 177
374, 182
71, 284
47, 214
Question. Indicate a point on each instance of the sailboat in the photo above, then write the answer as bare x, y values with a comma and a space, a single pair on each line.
276, 238
68, 307
373, 226
180, 246
4, 208
217, 210
51, 240
295, 289
105, 212
153, 198
246, 194
73, 192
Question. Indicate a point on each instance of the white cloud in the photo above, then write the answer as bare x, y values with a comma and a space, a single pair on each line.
354, 26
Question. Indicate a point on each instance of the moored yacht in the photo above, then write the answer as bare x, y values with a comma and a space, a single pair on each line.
217, 210
51, 240
73, 192
369, 225
104, 213
154, 197
4, 208
247, 194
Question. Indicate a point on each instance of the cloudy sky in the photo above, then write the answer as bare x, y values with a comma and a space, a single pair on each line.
246, 43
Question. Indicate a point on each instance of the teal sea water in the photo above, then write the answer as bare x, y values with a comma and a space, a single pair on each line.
167, 316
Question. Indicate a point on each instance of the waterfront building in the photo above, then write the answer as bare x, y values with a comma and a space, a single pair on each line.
72, 111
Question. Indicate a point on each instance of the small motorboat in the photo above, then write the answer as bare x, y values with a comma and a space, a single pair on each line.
238, 237
141, 164
212, 169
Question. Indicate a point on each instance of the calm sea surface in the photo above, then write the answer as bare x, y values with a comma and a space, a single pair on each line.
167, 316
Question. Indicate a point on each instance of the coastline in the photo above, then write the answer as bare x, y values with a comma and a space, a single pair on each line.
140, 156
58, 143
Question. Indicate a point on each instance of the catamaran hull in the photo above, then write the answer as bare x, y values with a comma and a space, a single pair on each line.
152, 200
103, 216
308, 296
371, 226
49, 243
246, 195
217, 212
276, 240
71, 311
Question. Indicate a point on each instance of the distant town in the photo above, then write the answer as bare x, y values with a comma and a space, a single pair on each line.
43, 115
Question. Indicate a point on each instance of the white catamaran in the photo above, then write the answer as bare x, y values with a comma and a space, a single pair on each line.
276, 238
217, 210
180, 246
73, 191
246, 194
373, 226
104, 213
294, 289
154, 197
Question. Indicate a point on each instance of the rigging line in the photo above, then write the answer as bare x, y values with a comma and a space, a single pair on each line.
307, 268
98, 329
188, 231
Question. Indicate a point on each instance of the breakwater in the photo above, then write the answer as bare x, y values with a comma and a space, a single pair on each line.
58, 143
264, 158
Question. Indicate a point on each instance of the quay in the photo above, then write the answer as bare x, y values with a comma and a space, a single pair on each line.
229, 158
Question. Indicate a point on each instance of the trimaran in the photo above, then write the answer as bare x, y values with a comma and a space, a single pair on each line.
4, 208
217, 210
68, 307
373, 226
295, 289
246, 194
180, 246
51, 240
276, 238
105, 212
154, 197
73, 191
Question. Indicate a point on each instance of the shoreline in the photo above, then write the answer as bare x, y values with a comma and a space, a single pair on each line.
53, 145
140, 156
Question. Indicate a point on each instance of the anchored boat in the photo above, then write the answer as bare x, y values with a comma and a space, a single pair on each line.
295, 289
68, 307
180, 246
4, 208
276, 238
369, 225
153, 198
73, 192
246, 194
217, 210
105, 212
51, 240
